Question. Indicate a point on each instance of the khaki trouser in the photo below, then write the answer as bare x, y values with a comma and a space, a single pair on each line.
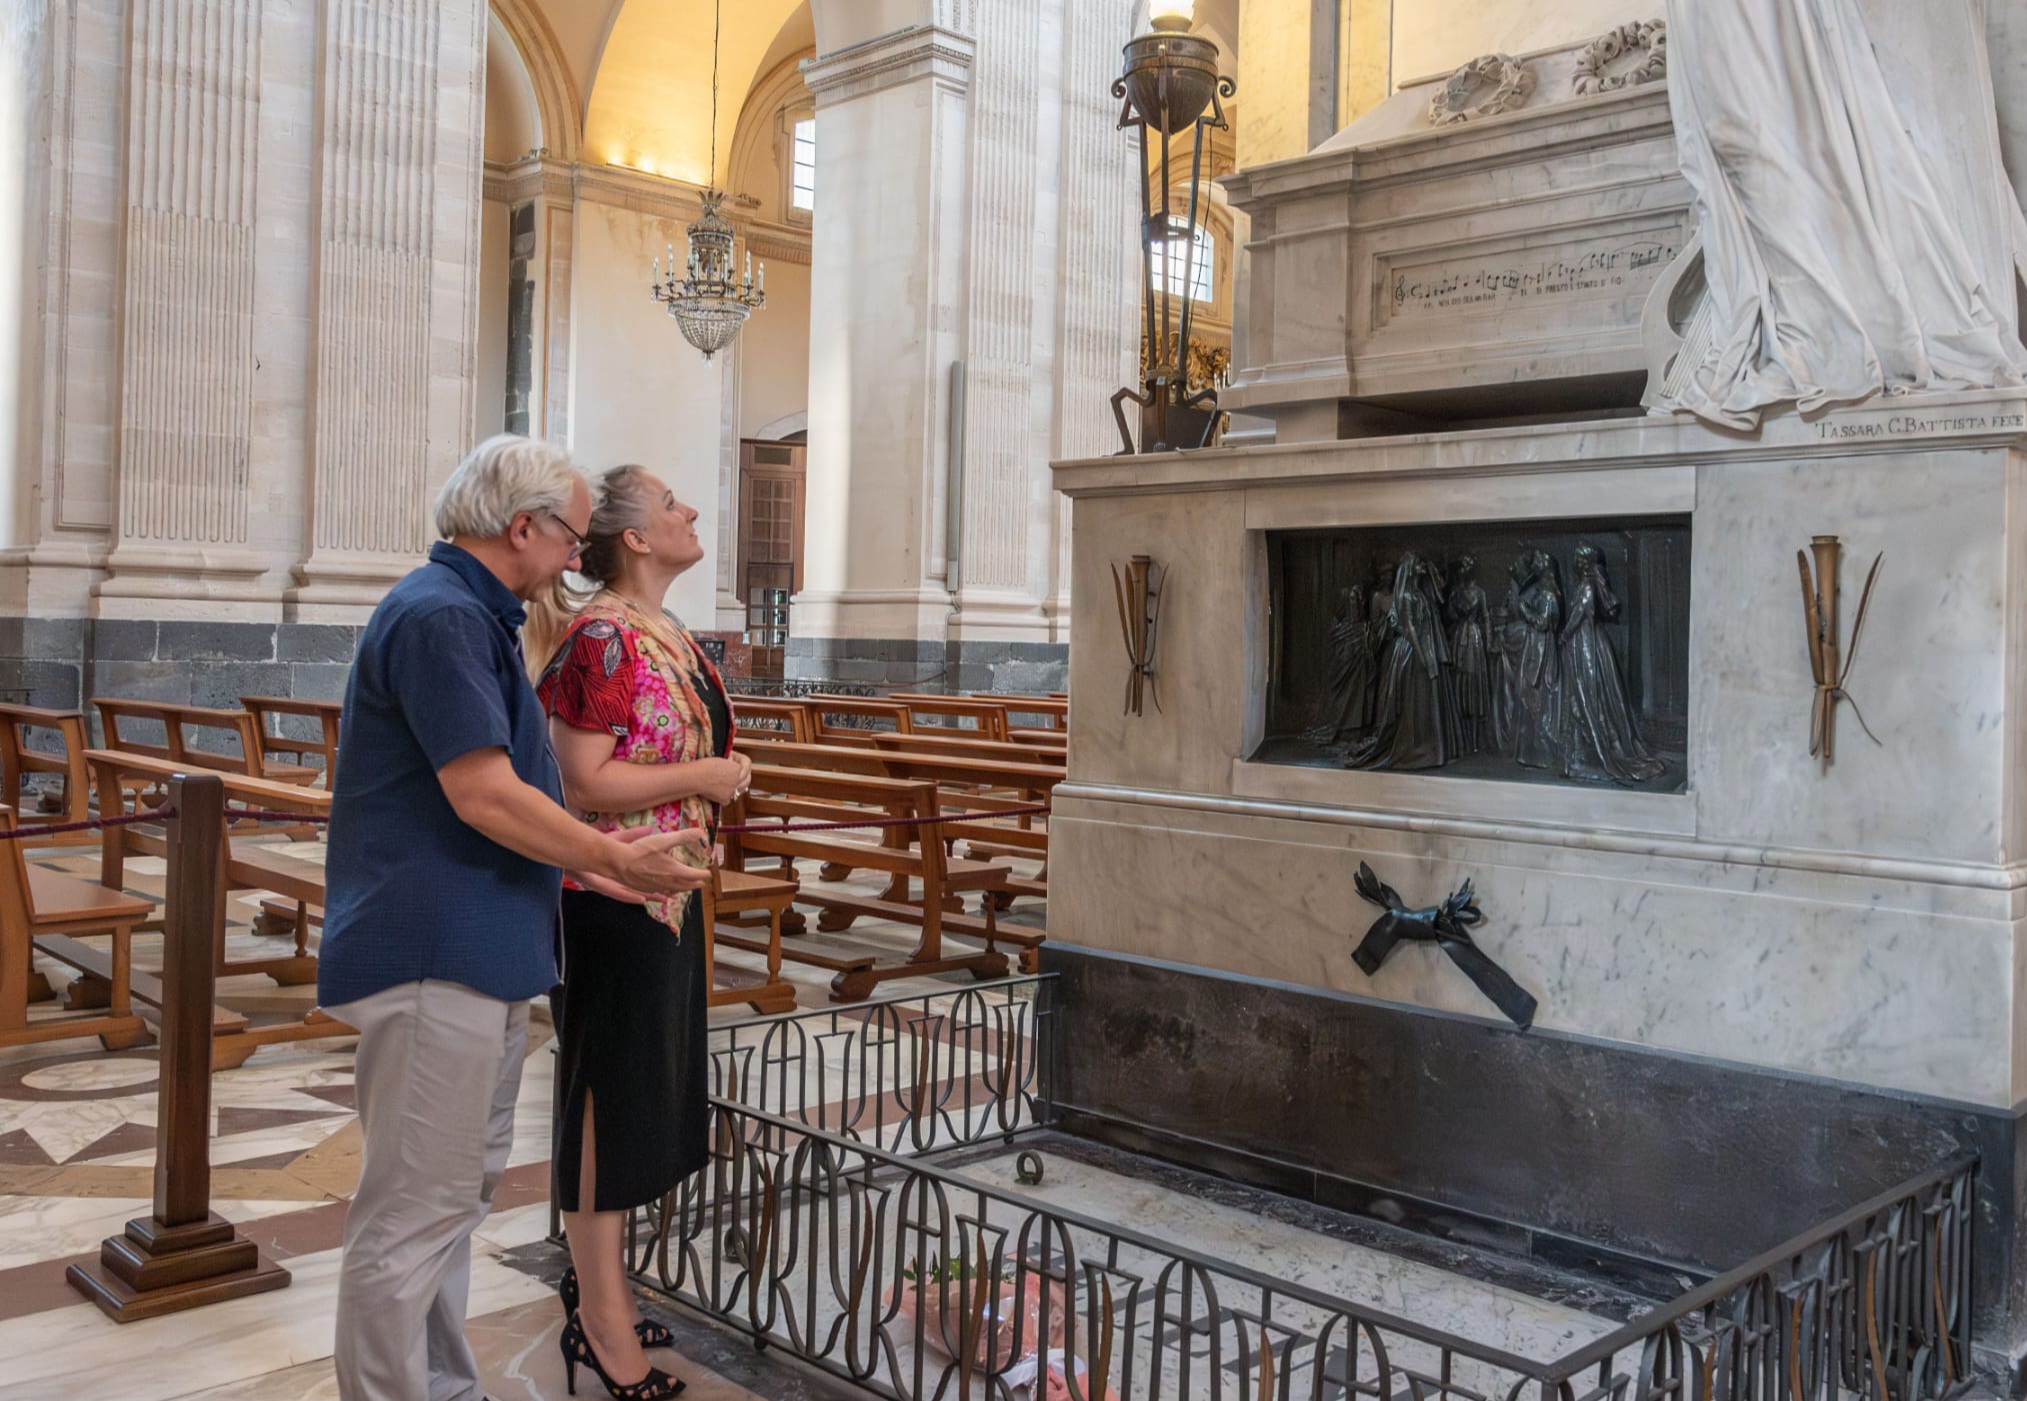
438, 1070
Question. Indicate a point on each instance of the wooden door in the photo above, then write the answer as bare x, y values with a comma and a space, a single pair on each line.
771, 482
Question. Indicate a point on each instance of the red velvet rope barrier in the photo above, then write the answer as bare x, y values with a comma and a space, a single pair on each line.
54, 829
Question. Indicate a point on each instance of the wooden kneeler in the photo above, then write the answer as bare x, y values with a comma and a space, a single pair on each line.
185, 1254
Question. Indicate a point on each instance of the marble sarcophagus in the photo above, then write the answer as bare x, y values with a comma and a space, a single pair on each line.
1414, 268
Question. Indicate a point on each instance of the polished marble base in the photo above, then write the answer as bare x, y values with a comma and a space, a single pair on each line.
1638, 1166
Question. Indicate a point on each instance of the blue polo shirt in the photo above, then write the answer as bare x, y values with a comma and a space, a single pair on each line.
412, 892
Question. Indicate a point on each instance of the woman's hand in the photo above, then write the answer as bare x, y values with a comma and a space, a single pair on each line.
720, 780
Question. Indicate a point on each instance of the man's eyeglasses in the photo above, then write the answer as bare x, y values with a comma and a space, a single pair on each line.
579, 543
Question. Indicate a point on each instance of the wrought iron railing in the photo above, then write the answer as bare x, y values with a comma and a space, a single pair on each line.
1874, 1303
909, 1075
914, 1281
819, 1227
793, 689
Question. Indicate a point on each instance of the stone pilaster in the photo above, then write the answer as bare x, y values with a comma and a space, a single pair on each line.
1004, 504
888, 266
396, 299
186, 358
1097, 277
68, 401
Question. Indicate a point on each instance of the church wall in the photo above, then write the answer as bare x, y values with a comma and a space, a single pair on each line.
491, 398
643, 393
774, 350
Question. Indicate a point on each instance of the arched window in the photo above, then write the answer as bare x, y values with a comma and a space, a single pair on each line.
1195, 260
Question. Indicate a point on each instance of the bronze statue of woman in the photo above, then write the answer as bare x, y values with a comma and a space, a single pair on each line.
1533, 678
1415, 717
1347, 698
1470, 620
1600, 734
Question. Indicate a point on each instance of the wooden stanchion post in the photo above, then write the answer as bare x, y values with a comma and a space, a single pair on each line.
185, 1254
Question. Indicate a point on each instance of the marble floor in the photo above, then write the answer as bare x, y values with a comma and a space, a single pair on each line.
77, 1154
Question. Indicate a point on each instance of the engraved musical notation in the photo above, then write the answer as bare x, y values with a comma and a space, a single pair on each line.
1491, 284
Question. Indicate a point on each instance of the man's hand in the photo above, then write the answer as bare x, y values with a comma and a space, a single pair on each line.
648, 863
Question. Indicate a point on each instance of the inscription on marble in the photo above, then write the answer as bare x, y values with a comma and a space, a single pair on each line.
1920, 425
1498, 281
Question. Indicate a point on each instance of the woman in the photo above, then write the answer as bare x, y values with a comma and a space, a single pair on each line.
642, 732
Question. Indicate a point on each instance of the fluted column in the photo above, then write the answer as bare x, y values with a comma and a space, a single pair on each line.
395, 289
187, 367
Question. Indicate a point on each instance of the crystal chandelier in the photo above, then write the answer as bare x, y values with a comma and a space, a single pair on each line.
710, 301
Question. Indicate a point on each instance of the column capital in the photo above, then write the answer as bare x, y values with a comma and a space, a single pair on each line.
920, 51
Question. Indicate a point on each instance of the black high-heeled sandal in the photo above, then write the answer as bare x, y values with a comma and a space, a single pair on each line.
650, 1333
657, 1385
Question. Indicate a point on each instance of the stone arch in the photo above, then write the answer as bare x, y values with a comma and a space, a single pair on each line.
556, 96
788, 426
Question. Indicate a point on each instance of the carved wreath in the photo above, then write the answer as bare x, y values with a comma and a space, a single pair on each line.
1511, 82
1650, 37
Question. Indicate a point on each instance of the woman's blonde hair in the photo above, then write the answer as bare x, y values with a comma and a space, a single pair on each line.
621, 500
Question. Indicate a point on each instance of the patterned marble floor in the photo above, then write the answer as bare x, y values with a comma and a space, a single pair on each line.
77, 1152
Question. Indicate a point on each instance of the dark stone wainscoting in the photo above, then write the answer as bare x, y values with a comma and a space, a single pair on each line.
1646, 1167
1027, 668
61, 663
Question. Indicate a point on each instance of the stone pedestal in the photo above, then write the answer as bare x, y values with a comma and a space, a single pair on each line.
1854, 931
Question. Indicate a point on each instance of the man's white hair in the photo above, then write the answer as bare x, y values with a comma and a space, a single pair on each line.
500, 478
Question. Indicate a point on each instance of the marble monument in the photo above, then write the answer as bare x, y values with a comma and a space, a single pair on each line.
1766, 987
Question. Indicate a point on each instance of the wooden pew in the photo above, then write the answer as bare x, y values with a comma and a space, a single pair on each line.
18, 760
825, 709
1053, 711
964, 747
327, 714
37, 904
774, 715
813, 795
970, 793
248, 866
987, 718
732, 893
116, 713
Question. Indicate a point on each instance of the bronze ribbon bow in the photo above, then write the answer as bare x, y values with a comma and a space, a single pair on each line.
1443, 924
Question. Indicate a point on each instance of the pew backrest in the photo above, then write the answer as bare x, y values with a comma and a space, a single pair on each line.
828, 717
774, 715
326, 714
118, 714
19, 758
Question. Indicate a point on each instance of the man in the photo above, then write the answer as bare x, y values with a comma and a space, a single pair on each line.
446, 841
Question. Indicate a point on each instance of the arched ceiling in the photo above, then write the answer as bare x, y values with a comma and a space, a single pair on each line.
650, 104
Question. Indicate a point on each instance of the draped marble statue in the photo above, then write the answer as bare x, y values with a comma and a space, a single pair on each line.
1858, 230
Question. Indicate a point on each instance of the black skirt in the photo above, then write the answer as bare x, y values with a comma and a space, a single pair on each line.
632, 1034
